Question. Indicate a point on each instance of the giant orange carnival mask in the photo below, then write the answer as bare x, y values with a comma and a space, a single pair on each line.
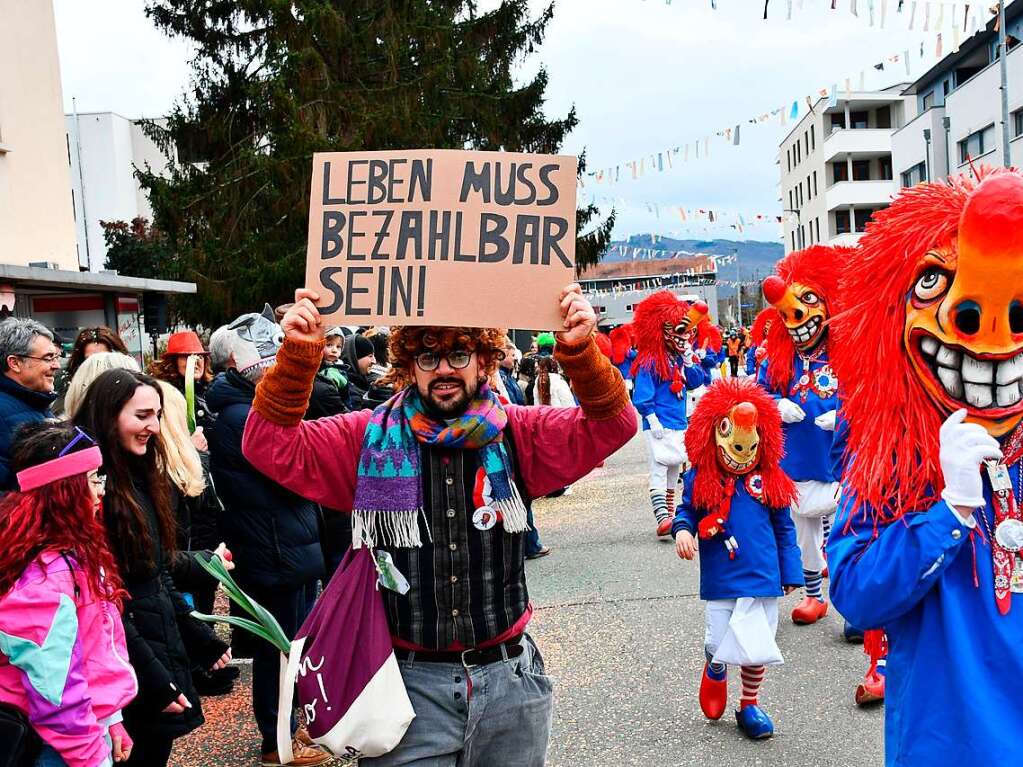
802, 309
931, 322
964, 312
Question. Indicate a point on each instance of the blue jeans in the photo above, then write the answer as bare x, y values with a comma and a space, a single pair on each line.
533, 545
505, 720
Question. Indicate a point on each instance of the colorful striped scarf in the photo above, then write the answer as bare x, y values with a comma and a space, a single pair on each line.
389, 489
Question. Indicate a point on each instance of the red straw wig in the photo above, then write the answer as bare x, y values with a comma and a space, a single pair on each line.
708, 336
716, 403
648, 325
621, 343
759, 331
818, 267
893, 425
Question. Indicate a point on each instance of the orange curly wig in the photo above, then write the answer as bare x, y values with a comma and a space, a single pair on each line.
817, 267
893, 429
408, 341
648, 325
716, 403
759, 330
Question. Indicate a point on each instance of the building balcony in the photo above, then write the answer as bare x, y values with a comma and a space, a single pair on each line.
849, 239
857, 141
859, 193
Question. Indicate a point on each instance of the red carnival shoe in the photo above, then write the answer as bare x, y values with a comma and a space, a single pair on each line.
809, 611
664, 527
713, 692
871, 690
825, 573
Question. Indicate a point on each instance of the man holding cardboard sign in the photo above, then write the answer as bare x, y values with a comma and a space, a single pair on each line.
438, 477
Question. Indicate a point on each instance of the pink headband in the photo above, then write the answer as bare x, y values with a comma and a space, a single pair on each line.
66, 466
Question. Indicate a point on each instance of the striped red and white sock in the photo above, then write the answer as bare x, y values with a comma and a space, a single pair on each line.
669, 499
752, 678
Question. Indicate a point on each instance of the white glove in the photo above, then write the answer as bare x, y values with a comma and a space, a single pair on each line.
656, 430
790, 411
963, 448
825, 421
701, 353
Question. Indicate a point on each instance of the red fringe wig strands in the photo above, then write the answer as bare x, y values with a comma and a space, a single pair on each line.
716, 403
648, 327
817, 267
621, 343
759, 329
708, 336
893, 427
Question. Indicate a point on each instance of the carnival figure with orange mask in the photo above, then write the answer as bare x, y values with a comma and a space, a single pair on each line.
665, 368
735, 507
929, 539
623, 352
804, 292
757, 351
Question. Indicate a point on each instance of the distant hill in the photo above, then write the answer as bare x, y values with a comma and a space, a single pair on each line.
754, 258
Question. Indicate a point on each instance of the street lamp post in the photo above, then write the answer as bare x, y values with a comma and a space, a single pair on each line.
1003, 67
799, 225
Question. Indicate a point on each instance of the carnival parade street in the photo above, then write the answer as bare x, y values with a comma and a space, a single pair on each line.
618, 615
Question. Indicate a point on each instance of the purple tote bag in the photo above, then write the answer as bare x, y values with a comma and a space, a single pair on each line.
348, 680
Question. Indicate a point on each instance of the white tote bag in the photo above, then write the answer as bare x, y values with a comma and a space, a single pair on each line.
816, 499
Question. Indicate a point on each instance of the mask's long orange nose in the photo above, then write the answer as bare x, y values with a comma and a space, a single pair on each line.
744, 416
781, 297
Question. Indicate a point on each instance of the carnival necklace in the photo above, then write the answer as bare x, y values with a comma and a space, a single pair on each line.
1006, 536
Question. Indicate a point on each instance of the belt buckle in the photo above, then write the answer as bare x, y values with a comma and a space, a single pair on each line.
465, 662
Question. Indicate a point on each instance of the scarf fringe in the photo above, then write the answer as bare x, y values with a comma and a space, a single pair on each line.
513, 511
398, 529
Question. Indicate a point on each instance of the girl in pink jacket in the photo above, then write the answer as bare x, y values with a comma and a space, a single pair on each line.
63, 656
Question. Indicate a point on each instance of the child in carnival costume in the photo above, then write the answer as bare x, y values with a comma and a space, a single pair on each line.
757, 351
736, 503
709, 343
797, 373
927, 543
623, 352
664, 369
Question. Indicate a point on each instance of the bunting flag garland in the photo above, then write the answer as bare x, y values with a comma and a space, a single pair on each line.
669, 158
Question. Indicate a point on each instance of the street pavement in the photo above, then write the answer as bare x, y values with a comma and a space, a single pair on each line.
620, 624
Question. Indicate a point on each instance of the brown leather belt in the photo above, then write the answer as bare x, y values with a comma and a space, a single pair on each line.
513, 648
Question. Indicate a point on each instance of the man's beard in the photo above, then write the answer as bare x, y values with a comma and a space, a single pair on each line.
448, 408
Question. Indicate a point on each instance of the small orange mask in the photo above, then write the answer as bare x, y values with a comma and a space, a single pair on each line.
679, 337
964, 313
737, 439
802, 310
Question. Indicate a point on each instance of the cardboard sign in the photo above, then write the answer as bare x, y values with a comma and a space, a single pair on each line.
441, 237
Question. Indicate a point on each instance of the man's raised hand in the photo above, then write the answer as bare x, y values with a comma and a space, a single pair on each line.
302, 322
577, 314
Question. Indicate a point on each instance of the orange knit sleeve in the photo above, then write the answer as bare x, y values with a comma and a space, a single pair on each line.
597, 384
282, 397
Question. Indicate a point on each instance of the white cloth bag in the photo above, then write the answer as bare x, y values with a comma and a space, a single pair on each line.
816, 499
749, 640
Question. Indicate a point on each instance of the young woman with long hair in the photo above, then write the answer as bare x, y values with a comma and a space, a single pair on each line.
60, 598
121, 411
90, 341
88, 372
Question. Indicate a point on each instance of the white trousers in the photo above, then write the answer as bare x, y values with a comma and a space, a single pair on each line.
717, 614
664, 476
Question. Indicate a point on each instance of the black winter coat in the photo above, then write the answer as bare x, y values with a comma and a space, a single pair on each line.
163, 642
273, 534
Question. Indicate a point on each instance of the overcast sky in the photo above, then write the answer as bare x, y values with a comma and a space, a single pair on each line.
644, 76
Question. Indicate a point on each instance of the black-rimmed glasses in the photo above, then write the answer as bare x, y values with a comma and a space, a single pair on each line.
458, 359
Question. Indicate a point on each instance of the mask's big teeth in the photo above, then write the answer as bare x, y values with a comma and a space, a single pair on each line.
1010, 370
948, 357
1009, 394
977, 371
952, 382
978, 395
929, 345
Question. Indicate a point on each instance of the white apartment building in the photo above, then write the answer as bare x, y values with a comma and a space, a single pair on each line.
957, 110
105, 149
36, 220
836, 167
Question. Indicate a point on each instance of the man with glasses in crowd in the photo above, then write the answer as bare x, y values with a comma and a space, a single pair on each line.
440, 477
29, 360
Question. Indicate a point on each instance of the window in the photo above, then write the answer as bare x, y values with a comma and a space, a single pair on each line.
840, 172
946, 86
842, 222
813, 137
802, 234
884, 165
817, 222
67, 141
862, 216
809, 189
915, 175
976, 144
806, 141
928, 101
837, 120
815, 183
74, 206
861, 170
790, 200
788, 160
793, 239
883, 117
1017, 123
858, 120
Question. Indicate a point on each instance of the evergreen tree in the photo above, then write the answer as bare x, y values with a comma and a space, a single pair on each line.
275, 81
